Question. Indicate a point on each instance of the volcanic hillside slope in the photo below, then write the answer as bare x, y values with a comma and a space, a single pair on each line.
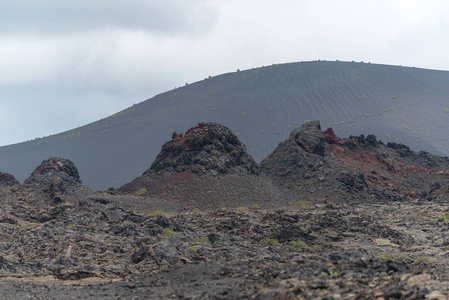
206, 168
262, 106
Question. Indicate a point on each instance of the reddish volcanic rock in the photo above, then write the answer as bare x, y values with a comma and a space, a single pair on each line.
330, 136
363, 165
392, 166
302, 165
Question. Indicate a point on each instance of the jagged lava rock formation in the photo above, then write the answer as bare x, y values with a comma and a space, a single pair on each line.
322, 167
302, 165
207, 167
53, 168
207, 149
59, 179
7, 179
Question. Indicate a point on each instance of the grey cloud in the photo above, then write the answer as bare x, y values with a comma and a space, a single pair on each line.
171, 17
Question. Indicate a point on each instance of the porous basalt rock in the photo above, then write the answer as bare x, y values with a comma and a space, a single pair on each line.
301, 163
52, 168
7, 179
56, 177
205, 148
310, 138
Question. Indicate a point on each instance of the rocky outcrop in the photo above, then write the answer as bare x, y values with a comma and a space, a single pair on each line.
53, 168
7, 179
309, 138
206, 167
302, 165
58, 178
208, 148
322, 166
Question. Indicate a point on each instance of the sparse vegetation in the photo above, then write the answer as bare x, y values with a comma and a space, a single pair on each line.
28, 227
271, 242
330, 274
303, 204
422, 259
387, 257
159, 213
192, 249
141, 192
443, 218
299, 245
201, 239
255, 206
168, 233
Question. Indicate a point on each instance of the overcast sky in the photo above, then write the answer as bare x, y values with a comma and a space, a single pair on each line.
67, 63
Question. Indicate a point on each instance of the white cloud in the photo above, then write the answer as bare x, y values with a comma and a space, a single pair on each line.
45, 17
64, 55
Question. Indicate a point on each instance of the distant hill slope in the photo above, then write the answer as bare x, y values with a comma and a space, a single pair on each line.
262, 106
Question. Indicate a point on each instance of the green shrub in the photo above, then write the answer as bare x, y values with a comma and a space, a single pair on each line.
422, 259
299, 245
387, 257
28, 227
158, 213
242, 208
201, 239
303, 204
192, 249
272, 242
331, 274
255, 206
141, 192
168, 233
443, 218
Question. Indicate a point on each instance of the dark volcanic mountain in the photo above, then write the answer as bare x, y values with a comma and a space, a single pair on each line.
262, 106
208, 167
